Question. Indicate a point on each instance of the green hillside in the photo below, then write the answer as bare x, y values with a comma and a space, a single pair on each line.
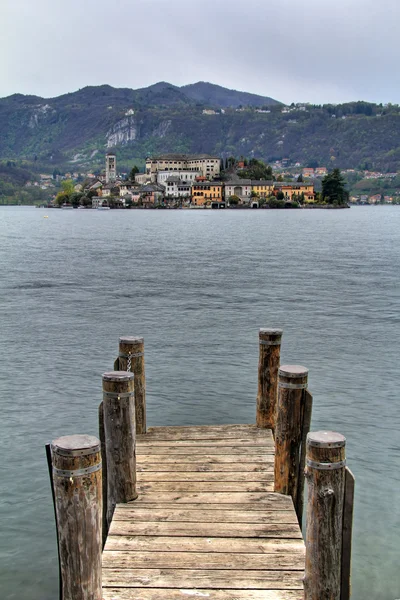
75, 130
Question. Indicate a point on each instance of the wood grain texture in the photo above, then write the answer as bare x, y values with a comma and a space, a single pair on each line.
135, 346
78, 504
203, 515
206, 519
200, 544
324, 518
347, 531
199, 594
226, 530
208, 579
289, 418
120, 559
120, 439
268, 364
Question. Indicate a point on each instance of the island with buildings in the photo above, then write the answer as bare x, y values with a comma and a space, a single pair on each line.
193, 181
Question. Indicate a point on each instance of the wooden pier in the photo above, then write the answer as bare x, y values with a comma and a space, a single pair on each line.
209, 512
207, 523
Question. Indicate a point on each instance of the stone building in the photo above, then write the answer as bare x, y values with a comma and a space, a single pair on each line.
111, 167
203, 164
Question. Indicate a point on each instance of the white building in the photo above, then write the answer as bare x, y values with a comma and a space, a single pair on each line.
176, 188
189, 176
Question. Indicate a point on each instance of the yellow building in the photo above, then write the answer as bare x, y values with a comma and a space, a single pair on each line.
206, 192
292, 190
262, 188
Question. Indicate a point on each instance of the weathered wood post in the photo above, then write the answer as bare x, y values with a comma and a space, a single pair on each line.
76, 465
131, 358
268, 364
325, 473
120, 438
288, 433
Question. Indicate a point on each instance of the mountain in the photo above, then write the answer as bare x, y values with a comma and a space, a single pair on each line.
75, 130
217, 96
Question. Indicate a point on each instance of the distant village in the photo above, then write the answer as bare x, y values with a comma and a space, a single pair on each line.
196, 181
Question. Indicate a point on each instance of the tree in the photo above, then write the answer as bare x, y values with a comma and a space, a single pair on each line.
234, 200
333, 188
280, 195
133, 172
300, 178
256, 169
67, 186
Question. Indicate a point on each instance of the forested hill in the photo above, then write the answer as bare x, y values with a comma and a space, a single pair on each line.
77, 128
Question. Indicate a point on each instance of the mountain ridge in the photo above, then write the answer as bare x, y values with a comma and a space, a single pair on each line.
76, 129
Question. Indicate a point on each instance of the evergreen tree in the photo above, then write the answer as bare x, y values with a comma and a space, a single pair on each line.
300, 178
133, 172
333, 188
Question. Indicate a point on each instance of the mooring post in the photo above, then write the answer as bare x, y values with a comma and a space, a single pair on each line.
305, 428
292, 383
120, 438
131, 358
77, 480
268, 365
325, 472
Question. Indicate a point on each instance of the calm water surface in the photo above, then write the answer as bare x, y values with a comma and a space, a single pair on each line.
197, 285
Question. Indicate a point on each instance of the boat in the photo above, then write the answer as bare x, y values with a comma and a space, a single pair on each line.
67, 207
103, 208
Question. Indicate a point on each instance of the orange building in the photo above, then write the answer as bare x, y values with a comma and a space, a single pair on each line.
205, 192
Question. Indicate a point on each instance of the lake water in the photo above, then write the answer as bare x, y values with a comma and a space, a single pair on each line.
197, 285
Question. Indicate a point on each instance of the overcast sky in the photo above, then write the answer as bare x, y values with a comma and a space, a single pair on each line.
291, 50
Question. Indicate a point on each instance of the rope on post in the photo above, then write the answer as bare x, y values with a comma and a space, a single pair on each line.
131, 358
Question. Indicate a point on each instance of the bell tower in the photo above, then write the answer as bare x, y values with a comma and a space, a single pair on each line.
111, 167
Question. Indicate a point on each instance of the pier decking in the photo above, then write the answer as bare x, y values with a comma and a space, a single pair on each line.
207, 523
208, 511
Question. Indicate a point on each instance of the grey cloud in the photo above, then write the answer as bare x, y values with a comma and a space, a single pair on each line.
316, 51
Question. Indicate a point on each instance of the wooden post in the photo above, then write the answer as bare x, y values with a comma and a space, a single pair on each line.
326, 479
120, 438
102, 438
268, 364
132, 348
76, 463
291, 385
305, 428
348, 504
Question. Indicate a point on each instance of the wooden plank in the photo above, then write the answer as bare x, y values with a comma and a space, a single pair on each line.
264, 499
205, 486
203, 433
231, 450
177, 430
144, 440
202, 560
205, 544
203, 578
256, 530
110, 593
207, 459
204, 516
347, 529
267, 508
205, 467
231, 476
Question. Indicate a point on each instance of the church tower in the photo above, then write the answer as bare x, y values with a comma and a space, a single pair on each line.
111, 167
